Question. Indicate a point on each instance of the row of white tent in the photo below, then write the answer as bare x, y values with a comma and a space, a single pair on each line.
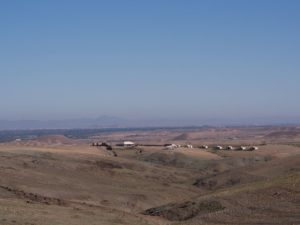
218, 147
229, 147
173, 146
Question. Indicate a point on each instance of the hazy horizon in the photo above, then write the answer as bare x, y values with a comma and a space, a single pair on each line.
116, 122
179, 61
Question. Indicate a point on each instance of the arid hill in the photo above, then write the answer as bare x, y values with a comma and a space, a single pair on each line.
56, 180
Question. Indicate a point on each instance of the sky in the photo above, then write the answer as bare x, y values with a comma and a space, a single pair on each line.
159, 59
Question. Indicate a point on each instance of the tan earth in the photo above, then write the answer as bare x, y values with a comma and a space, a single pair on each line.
57, 180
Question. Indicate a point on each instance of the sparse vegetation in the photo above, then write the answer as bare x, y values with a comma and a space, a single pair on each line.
55, 179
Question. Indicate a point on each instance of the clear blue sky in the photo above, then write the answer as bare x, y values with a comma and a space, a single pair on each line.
150, 59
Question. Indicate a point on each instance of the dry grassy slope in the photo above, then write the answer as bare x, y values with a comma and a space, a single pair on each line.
275, 201
16, 211
250, 174
268, 193
85, 185
65, 179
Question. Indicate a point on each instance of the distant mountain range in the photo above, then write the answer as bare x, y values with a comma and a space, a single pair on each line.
97, 123
86, 123
117, 122
100, 122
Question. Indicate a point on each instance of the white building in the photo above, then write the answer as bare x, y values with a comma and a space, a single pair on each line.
128, 143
